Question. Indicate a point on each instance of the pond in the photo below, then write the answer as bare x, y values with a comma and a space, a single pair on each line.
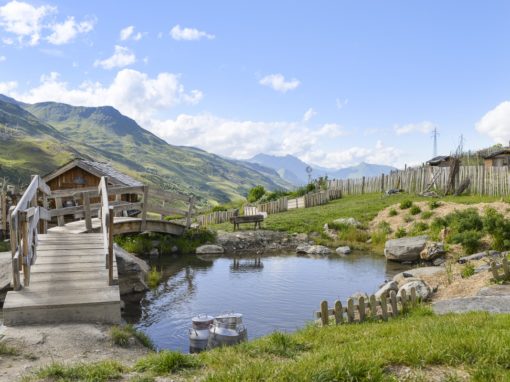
277, 292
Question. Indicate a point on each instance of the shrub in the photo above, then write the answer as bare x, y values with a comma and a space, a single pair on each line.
405, 204
470, 240
467, 220
384, 227
418, 228
498, 228
408, 218
425, 215
433, 204
353, 234
379, 237
122, 334
219, 208
415, 210
392, 212
256, 193
400, 232
139, 244
467, 270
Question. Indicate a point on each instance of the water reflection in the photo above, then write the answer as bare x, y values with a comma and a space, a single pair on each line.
273, 292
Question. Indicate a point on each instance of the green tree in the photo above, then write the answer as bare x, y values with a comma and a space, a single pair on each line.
256, 193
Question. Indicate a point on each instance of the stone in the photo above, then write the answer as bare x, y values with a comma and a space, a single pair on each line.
313, 249
439, 261
405, 249
210, 249
343, 250
406, 280
432, 251
347, 221
400, 276
423, 290
478, 256
495, 290
386, 289
174, 249
154, 252
426, 271
132, 272
357, 295
482, 268
491, 304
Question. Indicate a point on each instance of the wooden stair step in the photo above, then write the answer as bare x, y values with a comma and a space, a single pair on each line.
63, 276
42, 252
73, 259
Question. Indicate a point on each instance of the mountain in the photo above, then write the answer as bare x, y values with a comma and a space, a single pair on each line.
36, 138
293, 169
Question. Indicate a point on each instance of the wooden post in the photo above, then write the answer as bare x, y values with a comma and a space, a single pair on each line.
382, 182
145, 207
363, 185
16, 283
403, 300
190, 212
384, 308
324, 313
60, 218
361, 309
393, 302
26, 243
494, 271
44, 226
373, 307
350, 310
87, 213
413, 297
339, 314
118, 198
3, 206
110, 246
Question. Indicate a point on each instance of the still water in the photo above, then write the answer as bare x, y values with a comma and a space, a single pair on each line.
279, 292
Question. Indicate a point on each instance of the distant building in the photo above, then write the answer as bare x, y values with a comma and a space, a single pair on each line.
440, 161
499, 158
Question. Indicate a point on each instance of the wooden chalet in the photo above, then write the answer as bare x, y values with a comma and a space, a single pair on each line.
440, 161
499, 158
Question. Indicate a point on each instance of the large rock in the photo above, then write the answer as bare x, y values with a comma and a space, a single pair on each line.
426, 271
432, 251
491, 304
313, 249
210, 249
343, 250
132, 272
347, 221
405, 249
386, 289
495, 290
423, 290
478, 256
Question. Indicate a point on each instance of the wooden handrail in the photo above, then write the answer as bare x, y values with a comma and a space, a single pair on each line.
107, 215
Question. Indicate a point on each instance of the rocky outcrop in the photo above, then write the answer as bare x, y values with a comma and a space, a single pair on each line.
259, 240
432, 251
210, 249
347, 221
406, 249
132, 272
478, 256
313, 249
386, 289
423, 290
343, 250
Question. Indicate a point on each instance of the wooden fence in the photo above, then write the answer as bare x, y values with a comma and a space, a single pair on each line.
504, 266
493, 181
376, 309
216, 217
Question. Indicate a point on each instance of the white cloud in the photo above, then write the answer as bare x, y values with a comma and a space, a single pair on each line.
189, 34
128, 33
278, 83
309, 114
67, 31
24, 20
132, 92
121, 57
331, 130
341, 103
3, 58
422, 127
496, 123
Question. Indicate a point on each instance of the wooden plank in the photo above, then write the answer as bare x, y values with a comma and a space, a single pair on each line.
339, 315
145, 207
361, 309
110, 247
373, 307
393, 302
384, 308
350, 310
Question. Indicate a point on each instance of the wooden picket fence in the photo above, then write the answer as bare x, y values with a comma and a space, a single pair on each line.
216, 217
493, 181
374, 309
274, 206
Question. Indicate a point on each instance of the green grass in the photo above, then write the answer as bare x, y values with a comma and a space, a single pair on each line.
467, 270
5, 246
6, 350
165, 362
93, 372
122, 334
154, 278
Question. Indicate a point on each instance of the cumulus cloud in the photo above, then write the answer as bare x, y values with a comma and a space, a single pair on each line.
496, 123
121, 57
189, 34
309, 114
128, 33
3, 58
278, 82
27, 23
422, 127
132, 92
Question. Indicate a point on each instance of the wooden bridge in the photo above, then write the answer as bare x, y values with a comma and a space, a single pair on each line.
68, 273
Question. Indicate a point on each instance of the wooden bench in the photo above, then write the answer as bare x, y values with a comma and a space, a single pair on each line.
237, 220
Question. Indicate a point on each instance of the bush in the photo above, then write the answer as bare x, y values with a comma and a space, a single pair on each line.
498, 228
415, 210
219, 208
418, 228
408, 218
425, 215
139, 244
462, 221
405, 204
467, 271
470, 240
384, 227
353, 234
400, 232
433, 204
256, 193
392, 212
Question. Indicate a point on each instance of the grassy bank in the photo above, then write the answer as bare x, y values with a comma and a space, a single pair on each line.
473, 345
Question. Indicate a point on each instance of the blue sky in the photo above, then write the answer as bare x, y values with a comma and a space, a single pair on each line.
332, 82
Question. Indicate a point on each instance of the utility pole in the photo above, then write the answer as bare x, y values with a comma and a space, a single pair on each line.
435, 134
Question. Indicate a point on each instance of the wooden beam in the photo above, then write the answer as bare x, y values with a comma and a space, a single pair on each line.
88, 214
145, 207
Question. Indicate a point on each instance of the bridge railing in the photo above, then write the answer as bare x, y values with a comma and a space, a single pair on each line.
26, 219
151, 201
107, 215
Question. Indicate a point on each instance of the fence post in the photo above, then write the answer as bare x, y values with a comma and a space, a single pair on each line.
88, 215
339, 314
60, 218
145, 207
324, 313
382, 182
110, 245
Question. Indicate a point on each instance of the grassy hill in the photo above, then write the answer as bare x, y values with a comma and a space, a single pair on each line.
48, 134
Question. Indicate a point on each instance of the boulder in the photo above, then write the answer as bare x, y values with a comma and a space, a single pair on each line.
209, 249
132, 272
491, 304
401, 276
347, 221
426, 271
495, 290
357, 295
405, 249
423, 290
478, 256
439, 261
313, 249
343, 250
432, 251
386, 289
406, 280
